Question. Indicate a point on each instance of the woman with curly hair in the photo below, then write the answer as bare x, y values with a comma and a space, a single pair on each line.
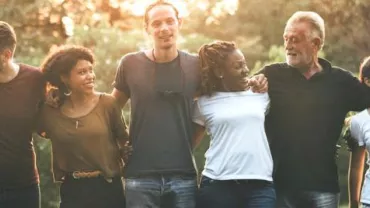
238, 167
86, 130
359, 145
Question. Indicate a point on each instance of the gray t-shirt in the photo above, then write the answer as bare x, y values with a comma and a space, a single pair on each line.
161, 107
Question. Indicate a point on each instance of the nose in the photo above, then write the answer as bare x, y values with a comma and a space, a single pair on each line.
288, 45
91, 75
245, 71
164, 27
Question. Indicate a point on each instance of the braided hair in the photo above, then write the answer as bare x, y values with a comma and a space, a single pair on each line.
59, 63
213, 57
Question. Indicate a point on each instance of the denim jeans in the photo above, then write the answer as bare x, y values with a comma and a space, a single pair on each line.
236, 194
92, 193
161, 191
307, 199
365, 206
28, 196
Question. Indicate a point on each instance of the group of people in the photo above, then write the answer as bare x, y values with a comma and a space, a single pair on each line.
273, 134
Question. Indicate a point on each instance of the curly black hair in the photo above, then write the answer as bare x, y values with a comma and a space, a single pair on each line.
213, 56
60, 62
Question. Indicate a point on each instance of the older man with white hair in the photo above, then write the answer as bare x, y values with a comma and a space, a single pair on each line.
309, 101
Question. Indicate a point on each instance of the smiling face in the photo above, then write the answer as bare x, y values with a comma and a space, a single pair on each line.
235, 73
163, 26
300, 47
81, 78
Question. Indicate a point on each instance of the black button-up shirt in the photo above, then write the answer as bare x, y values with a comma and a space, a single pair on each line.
305, 121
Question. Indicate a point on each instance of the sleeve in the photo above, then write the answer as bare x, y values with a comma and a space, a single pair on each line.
118, 124
197, 117
357, 93
120, 82
356, 131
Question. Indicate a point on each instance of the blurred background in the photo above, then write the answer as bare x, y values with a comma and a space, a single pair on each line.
112, 28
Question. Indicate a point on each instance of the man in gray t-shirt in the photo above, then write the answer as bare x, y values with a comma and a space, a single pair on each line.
161, 83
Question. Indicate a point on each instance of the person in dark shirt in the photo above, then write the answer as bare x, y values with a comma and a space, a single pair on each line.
309, 101
160, 83
21, 90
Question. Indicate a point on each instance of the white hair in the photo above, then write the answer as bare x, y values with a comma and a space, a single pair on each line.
316, 21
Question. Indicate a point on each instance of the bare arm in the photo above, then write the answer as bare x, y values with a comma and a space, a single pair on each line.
198, 135
355, 175
121, 97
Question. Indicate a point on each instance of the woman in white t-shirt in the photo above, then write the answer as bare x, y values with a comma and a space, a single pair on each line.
238, 167
360, 132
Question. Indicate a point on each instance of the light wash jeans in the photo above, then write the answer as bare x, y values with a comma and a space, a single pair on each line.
307, 199
162, 191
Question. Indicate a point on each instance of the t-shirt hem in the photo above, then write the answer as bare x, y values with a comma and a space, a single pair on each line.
239, 177
158, 172
365, 201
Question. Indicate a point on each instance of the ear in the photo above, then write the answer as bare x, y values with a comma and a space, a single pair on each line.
218, 73
64, 79
180, 22
7, 54
367, 81
146, 28
317, 42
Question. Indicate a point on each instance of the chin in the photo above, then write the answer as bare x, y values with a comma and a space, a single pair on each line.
167, 46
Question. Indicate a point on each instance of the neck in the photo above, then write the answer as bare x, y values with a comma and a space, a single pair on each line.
80, 99
9, 71
312, 69
164, 55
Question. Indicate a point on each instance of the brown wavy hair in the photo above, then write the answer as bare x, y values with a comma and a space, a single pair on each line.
59, 63
213, 56
158, 3
8, 38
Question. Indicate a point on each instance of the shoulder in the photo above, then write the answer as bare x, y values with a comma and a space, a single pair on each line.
132, 58
359, 117
30, 70
189, 58
342, 72
108, 101
275, 68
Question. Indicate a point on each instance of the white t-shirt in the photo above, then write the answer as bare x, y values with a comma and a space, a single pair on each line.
235, 122
360, 130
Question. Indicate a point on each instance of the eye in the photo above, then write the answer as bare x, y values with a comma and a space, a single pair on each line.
156, 24
170, 21
83, 71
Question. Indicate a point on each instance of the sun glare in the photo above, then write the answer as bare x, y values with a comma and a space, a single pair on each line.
137, 7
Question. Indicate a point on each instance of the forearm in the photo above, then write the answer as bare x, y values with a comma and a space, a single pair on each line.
198, 135
355, 176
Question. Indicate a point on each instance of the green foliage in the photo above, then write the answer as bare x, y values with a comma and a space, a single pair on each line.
257, 28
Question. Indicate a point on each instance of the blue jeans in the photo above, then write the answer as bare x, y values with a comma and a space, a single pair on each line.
161, 191
236, 194
307, 199
28, 196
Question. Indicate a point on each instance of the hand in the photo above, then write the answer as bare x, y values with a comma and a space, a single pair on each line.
126, 152
258, 83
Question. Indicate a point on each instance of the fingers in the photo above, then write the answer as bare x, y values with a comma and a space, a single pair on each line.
259, 83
